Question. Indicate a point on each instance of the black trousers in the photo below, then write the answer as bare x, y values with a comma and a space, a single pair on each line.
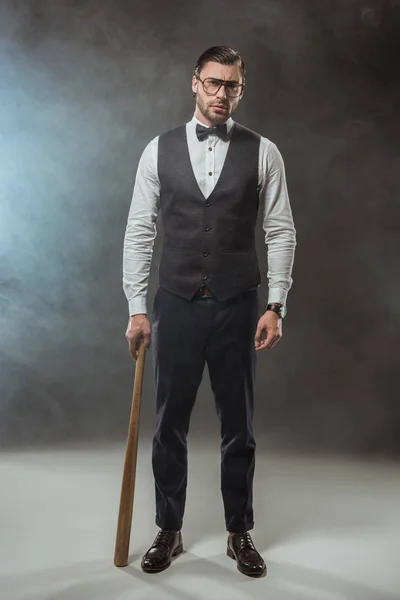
186, 335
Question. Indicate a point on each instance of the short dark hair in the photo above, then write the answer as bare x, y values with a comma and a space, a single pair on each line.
223, 55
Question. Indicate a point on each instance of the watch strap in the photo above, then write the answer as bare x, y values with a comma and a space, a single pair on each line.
278, 308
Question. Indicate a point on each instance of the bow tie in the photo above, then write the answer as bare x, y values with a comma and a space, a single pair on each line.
203, 132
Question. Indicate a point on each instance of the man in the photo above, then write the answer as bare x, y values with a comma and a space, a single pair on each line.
207, 178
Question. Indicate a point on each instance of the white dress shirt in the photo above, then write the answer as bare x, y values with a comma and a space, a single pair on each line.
207, 157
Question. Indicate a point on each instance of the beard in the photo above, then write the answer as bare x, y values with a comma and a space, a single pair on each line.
210, 114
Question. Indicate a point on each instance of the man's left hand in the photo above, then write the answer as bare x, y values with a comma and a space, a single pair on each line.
270, 326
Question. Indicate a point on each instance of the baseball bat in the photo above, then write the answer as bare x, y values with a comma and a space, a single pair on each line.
121, 553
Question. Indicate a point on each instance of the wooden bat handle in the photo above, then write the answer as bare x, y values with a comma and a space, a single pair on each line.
129, 474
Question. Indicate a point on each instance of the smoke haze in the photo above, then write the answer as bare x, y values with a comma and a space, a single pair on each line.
84, 86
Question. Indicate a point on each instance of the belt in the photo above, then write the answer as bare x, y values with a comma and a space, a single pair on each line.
205, 292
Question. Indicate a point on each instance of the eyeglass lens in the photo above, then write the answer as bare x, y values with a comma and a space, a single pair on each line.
211, 86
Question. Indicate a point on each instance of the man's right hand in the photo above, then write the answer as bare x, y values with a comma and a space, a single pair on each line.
139, 329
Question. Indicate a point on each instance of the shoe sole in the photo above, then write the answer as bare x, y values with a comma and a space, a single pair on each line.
176, 552
248, 573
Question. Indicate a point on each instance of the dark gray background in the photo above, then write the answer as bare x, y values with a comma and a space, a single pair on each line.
83, 87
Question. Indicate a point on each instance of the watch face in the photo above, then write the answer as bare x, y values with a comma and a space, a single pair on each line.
283, 311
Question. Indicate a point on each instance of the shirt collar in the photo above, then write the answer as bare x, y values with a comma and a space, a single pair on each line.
230, 123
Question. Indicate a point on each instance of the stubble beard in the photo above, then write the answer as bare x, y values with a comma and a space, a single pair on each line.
207, 112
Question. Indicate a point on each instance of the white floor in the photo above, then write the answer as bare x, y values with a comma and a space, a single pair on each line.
328, 530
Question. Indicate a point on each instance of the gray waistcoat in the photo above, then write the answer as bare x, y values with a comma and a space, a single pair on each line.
210, 241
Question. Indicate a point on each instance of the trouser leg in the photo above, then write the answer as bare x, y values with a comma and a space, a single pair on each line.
178, 342
231, 360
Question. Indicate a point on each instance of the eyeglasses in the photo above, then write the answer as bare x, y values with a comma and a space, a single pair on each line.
212, 86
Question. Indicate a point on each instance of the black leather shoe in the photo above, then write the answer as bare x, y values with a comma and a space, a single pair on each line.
158, 557
241, 548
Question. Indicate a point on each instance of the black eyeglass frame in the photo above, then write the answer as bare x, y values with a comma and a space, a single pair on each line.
222, 83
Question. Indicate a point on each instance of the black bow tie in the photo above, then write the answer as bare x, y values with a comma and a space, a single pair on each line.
203, 132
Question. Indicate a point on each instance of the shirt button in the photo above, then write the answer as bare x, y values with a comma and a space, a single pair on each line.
207, 203
210, 149
210, 173
208, 228
206, 253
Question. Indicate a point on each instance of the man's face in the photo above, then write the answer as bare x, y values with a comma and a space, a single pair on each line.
216, 108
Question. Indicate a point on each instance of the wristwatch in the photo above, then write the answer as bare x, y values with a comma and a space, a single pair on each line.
280, 309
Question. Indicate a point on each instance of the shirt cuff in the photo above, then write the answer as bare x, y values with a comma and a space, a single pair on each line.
137, 306
277, 295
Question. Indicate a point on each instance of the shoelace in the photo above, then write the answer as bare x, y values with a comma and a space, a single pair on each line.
245, 541
163, 538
